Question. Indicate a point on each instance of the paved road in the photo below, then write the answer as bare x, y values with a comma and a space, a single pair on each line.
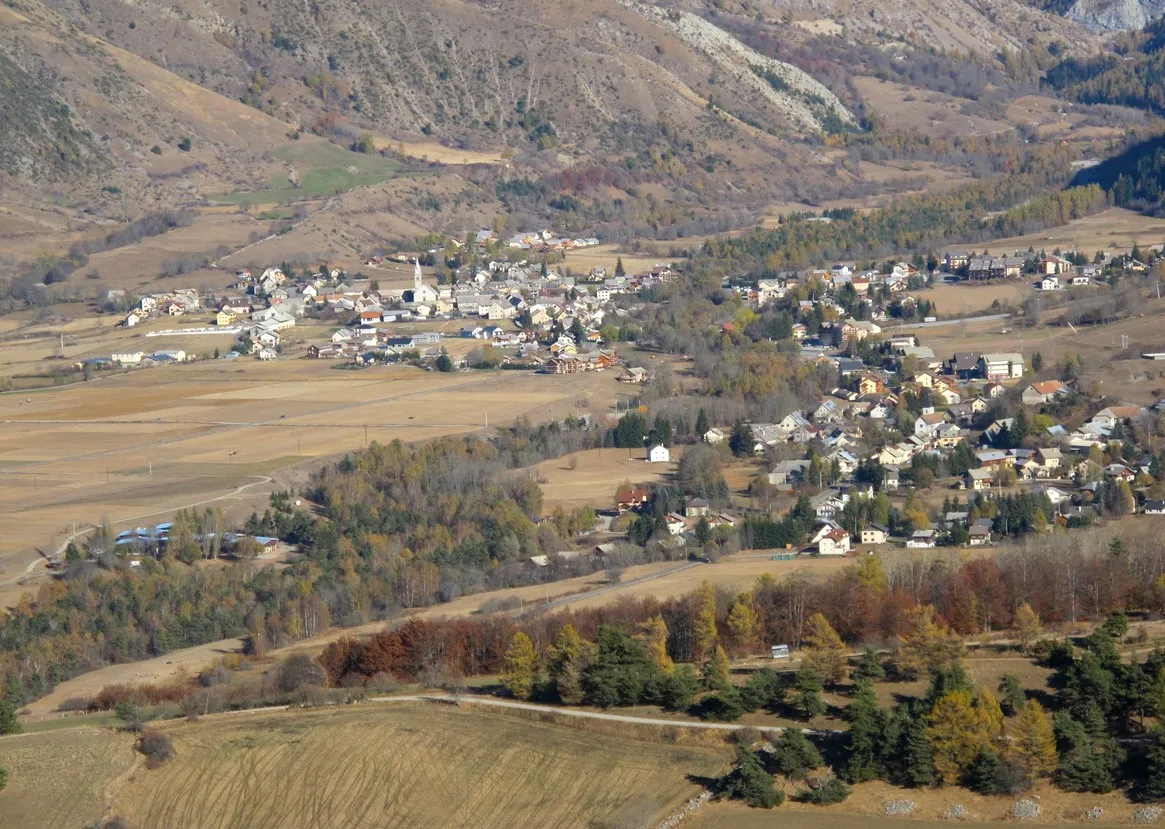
465, 699
889, 329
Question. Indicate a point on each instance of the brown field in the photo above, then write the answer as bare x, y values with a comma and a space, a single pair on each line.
934, 113
965, 299
407, 765
135, 446
1115, 230
61, 778
590, 478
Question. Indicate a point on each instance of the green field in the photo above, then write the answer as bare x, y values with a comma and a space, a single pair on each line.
324, 169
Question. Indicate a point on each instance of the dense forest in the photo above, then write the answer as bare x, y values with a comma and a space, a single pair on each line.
1132, 74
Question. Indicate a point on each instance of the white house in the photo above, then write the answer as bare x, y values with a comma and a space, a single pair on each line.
836, 542
658, 454
714, 436
921, 539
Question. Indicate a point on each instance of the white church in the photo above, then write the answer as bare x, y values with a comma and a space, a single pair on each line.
421, 294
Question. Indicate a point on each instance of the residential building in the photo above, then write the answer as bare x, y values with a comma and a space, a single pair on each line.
836, 542
658, 454
1001, 366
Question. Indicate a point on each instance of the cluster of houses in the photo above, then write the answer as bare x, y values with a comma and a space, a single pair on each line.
1051, 272
537, 317
153, 541
170, 304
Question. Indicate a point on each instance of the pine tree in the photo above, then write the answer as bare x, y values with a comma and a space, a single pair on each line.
1033, 742
567, 659
917, 758
9, 724
655, 638
808, 699
825, 653
619, 269
1089, 757
716, 670
704, 624
1027, 626
1152, 787
1013, 694
521, 664
750, 782
794, 756
867, 723
869, 667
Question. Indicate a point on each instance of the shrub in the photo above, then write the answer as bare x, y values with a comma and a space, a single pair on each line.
78, 704
831, 791
750, 781
156, 746
298, 672
3, 778
722, 706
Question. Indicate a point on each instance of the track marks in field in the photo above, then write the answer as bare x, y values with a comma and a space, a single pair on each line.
404, 767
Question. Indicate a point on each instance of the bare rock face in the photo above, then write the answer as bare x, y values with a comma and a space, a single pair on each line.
1110, 15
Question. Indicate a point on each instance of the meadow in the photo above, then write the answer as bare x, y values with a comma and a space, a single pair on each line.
408, 765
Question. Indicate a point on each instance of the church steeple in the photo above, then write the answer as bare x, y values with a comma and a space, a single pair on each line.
417, 274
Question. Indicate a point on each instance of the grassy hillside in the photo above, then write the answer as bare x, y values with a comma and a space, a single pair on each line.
61, 778
408, 766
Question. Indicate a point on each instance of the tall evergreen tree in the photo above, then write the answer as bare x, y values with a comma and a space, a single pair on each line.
750, 782
1089, 757
867, 725
702, 426
808, 699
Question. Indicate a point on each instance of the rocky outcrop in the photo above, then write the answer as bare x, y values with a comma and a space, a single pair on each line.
1110, 15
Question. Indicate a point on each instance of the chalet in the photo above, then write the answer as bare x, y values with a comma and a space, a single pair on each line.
1043, 392
921, 539
1109, 417
628, 499
875, 534
565, 364
870, 384
836, 542
980, 479
1154, 508
980, 532
697, 508
714, 436
1119, 472
633, 375
964, 365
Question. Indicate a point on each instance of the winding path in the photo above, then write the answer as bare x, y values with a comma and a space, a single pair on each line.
464, 699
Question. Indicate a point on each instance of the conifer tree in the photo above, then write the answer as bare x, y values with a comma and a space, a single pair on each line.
869, 668
825, 653
750, 782
1027, 626
957, 730
1012, 693
704, 624
743, 623
1033, 742
619, 269
9, 724
702, 426
1089, 757
1152, 786
655, 639
521, 664
567, 658
867, 725
794, 756
808, 699
716, 670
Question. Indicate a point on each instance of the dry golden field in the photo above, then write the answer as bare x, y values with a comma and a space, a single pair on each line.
133, 447
62, 778
590, 478
963, 298
408, 765
1115, 230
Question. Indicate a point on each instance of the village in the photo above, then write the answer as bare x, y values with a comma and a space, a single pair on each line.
902, 418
